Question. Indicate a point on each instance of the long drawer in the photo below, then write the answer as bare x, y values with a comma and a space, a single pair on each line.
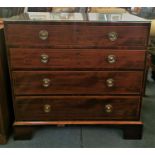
77, 82
77, 108
21, 58
79, 35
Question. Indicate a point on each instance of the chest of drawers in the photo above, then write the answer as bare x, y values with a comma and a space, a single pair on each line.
77, 71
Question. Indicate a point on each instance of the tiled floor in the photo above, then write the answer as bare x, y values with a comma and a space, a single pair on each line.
94, 136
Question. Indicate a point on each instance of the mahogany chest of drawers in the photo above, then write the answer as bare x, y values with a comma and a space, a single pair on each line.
77, 69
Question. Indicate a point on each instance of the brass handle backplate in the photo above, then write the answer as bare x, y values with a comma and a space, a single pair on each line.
47, 108
46, 82
111, 59
110, 82
112, 36
43, 34
108, 108
44, 58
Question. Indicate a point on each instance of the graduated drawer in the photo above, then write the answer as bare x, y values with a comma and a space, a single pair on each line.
77, 35
21, 58
77, 108
77, 82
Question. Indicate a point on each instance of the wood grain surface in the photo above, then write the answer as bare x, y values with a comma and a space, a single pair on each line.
77, 108
77, 82
76, 59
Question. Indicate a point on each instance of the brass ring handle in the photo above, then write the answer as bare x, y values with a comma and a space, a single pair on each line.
44, 58
108, 108
46, 82
43, 34
47, 108
110, 82
112, 36
111, 59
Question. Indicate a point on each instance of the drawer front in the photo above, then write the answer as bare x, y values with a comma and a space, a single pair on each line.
77, 108
77, 82
76, 59
79, 35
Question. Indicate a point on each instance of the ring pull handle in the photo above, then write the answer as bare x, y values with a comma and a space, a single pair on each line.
44, 58
108, 108
43, 34
112, 36
110, 82
46, 82
111, 59
47, 108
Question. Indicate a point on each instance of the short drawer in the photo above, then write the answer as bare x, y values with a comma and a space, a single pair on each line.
77, 82
21, 58
77, 35
77, 108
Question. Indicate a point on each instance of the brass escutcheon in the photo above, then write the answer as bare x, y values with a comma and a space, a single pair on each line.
47, 108
43, 34
112, 36
111, 59
108, 108
110, 82
46, 82
44, 58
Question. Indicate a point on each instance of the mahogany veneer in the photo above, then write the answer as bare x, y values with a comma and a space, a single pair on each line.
76, 59
77, 35
77, 108
76, 82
